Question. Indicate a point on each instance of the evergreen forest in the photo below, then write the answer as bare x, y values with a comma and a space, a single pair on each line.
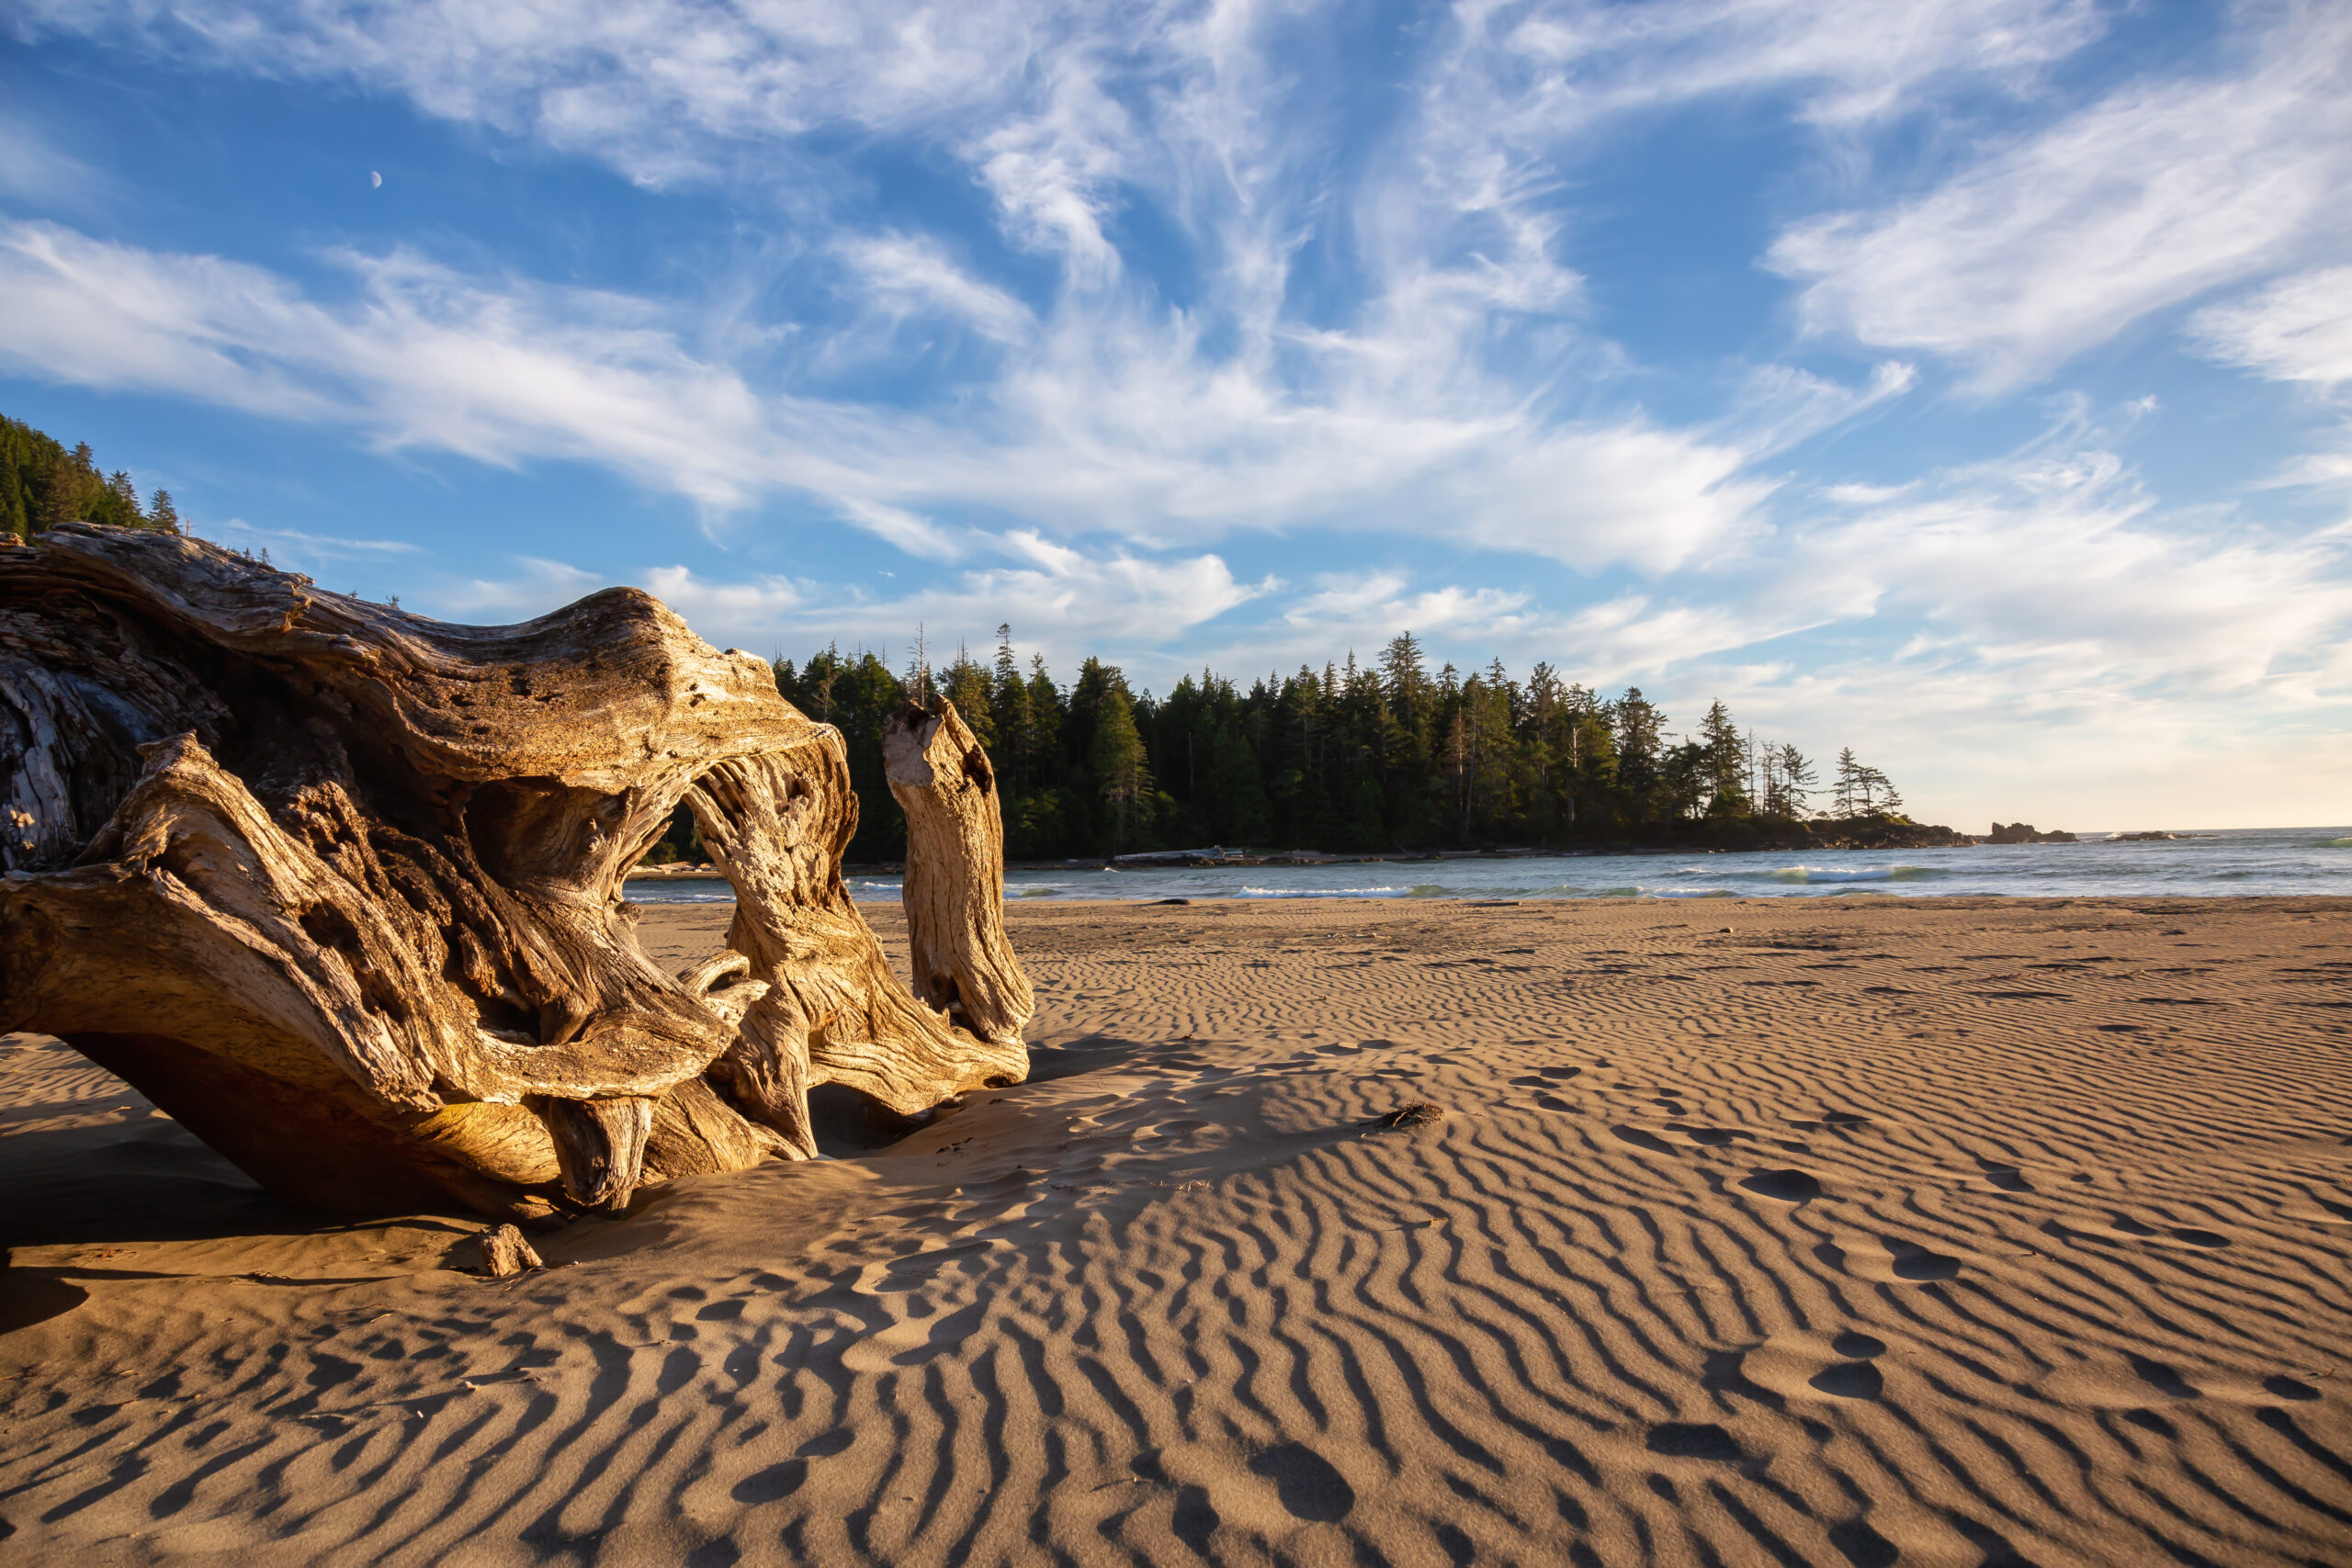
1353, 758
42, 483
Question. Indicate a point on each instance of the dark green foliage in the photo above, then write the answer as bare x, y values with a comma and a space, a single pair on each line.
1344, 759
854, 694
681, 840
1861, 790
1122, 772
42, 484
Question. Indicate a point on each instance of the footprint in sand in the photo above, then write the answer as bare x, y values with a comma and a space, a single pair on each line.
2124, 1225
1786, 1186
2007, 1177
2165, 1380
1195, 1520
779, 1481
1800, 1366
1848, 1380
1692, 1439
1308, 1484
1888, 1260
1916, 1263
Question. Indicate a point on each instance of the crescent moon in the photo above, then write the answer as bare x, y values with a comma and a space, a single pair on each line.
374, 179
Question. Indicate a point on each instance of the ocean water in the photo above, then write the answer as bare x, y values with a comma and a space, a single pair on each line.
2217, 863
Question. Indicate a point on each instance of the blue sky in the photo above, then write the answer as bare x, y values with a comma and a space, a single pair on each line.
1961, 380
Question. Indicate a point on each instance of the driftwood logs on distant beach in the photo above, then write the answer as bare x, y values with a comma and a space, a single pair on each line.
339, 888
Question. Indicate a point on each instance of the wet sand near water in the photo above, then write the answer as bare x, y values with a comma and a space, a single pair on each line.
1802, 1230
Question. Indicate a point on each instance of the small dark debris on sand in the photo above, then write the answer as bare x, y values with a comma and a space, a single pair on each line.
504, 1253
1421, 1114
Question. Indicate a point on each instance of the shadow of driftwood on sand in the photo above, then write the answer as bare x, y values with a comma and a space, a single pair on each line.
147, 1179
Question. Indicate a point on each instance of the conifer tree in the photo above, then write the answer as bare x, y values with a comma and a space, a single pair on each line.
126, 493
1796, 780
1122, 775
1724, 765
1009, 705
1640, 736
1848, 788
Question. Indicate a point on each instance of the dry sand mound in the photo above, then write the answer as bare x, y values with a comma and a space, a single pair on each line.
1810, 1232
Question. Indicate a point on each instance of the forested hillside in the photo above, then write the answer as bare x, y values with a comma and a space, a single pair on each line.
1351, 758
43, 483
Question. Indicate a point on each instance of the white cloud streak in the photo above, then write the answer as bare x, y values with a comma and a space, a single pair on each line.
910, 275
2143, 200
1067, 602
1111, 432
1850, 61
2298, 329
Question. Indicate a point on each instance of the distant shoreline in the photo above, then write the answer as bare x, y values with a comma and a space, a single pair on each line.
1178, 859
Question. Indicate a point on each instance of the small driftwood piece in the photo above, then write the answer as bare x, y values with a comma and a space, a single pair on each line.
954, 887
339, 888
505, 1254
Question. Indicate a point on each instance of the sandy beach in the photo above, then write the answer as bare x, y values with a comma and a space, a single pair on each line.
1802, 1230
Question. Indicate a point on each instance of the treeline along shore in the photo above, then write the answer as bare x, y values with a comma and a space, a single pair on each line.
1384, 758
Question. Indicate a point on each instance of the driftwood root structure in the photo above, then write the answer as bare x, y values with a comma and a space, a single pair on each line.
339, 888
953, 888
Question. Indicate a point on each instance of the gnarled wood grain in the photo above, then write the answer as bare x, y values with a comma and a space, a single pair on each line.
954, 887
340, 886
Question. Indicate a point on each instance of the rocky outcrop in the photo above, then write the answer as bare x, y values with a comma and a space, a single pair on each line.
2024, 833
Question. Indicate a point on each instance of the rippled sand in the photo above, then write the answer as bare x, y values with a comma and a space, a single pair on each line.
1818, 1231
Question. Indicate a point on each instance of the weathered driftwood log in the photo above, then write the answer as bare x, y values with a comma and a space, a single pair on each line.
954, 887
339, 888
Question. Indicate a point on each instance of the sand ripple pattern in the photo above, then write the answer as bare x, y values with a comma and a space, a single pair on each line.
1846, 1233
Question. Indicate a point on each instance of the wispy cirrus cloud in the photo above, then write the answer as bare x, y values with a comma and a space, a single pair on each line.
1455, 391
2060, 570
1114, 432
2144, 200
904, 275
244, 536
2298, 330
1847, 60
1068, 602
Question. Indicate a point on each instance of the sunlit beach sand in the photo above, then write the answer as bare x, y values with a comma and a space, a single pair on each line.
1817, 1231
